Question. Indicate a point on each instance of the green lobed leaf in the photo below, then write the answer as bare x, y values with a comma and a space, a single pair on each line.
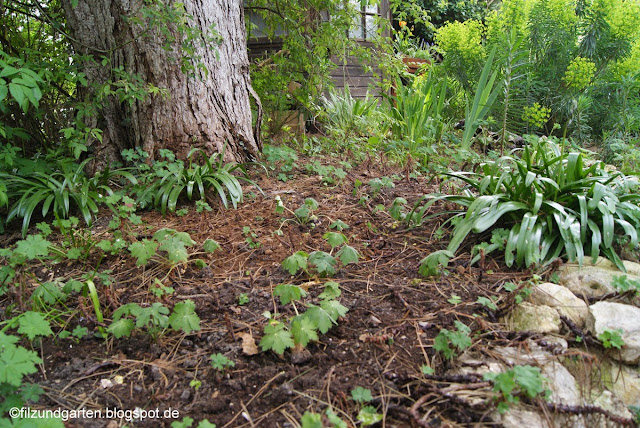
276, 338
288, 293
303, 330
295, 262
33, 324
184, 317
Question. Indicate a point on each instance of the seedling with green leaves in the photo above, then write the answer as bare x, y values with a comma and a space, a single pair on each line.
451, 342
168, 246
368, 415
329, 174
220, 362
624, 284
251, 238
611, 339
155, 319
299, 330
520, 380
15, 363
323, 263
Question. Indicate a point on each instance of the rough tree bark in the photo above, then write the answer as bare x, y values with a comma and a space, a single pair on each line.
205, 110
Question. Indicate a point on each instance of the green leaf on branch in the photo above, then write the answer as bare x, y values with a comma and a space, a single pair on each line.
295, 262
276, 338
288, 293
33, 324
303, 331
184, 317
143, 251
33, 247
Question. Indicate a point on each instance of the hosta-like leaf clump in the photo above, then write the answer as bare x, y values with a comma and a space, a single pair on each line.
552, 202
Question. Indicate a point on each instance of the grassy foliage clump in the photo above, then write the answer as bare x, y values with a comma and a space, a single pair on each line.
553, 203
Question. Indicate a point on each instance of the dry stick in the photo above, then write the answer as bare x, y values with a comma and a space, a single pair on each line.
329, 374
247, 415
589, 410
413, 411
259, 393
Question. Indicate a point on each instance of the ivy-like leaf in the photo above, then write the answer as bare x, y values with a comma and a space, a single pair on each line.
303, 330
369, 416
33, 324
348, 254
530, 379
155, 315
339, 225
324, 263
295, 262
334, 309
361, 395
335, 239
15, 361
210, 245
143, 251
121, 328
184, 317
276, 338
288, 292
319, 317
331, 291
33, 247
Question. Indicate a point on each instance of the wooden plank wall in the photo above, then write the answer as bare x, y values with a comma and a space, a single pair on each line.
351, 73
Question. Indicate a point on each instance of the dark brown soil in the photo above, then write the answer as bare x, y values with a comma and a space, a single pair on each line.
381, 344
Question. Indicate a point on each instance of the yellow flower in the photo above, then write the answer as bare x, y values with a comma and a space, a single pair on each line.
402, 23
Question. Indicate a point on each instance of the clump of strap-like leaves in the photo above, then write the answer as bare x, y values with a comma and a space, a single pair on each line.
553, 203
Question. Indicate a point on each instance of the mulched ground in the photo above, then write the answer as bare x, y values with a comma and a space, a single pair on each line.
381, 344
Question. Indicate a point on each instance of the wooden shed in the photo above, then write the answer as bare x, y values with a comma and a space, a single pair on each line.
349, 72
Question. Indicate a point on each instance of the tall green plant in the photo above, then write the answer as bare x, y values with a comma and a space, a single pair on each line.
417, 109
552, 202
483, 100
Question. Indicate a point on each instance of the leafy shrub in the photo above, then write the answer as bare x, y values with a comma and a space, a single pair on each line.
59, 190
175, 180
350, 117
462, 49
551, 202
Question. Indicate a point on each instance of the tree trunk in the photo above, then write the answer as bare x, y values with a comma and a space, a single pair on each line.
205, 109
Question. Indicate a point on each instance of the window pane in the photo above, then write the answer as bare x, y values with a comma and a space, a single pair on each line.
370, 26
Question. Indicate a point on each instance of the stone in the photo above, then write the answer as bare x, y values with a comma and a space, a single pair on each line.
528, 353
594, 280
611, 403
517, 417
613, 316
562, 299
534, 318
623, 381
563, 386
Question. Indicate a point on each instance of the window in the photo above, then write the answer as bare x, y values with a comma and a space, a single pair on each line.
365, 26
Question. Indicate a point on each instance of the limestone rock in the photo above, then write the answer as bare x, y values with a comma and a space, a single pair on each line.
611, 403
563, 386
594, 280
529, 353
623, 381
612, 316
562, 299
538, 319
518, 417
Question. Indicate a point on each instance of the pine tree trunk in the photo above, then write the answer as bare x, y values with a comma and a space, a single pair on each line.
208, 108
